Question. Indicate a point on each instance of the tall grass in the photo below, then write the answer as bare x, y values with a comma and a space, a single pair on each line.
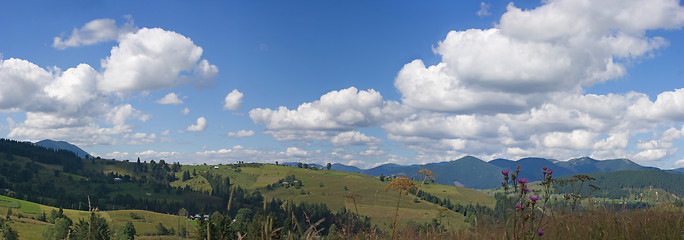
569, 221
661, 222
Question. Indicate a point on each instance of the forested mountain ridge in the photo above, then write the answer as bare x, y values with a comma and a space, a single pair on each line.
630, 184
62, 145
473, 172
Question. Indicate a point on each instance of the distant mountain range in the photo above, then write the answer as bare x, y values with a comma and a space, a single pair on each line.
62, 145
473, 172
470, 172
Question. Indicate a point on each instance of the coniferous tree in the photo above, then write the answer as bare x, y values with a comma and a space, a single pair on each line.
126, 232
8, 233
95, 228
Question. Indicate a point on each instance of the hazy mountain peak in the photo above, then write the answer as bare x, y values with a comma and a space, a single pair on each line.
62, 145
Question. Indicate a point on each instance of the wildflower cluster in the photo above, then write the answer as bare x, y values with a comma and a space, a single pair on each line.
526, 219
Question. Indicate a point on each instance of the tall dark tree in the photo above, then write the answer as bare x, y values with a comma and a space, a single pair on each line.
8, 233
95, 228
126, 232
328, 166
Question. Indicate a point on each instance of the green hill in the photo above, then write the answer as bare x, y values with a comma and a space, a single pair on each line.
634, 185
31, 173
331, 187
25, 214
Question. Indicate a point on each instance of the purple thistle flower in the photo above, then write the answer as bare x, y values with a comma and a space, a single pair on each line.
505, 172
517, 206
527, 190
534, 198
540, 232
550, 171
523, 180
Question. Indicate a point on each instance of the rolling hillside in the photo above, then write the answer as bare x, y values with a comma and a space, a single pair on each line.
25, 215
472, 172
164, 187
633, 184
331, 187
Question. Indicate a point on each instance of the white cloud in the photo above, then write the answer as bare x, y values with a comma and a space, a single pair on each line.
650, 155
518, 88
199, 126
86, 107
680, 163
151, 59
484, 9
165, 132
241, 133
296, 152
21, 82
669, 105
145, 156
139, 138
185, 111
95, 31
346, 109
353, 138
532, 55
170, 98
62, 104
577, 139
233, 101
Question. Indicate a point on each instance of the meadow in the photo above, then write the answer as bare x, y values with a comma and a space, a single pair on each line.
271, 201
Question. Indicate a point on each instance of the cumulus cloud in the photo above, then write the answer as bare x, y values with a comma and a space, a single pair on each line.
199, 126
680, 163
95, 31
83, 105
185, 111
241, 133
534, 54
668, 105
519, 88
651, 155
62, 104
333, 114
296, 152
233, 101
577, 139
353, 138
170, 98
346, 109
152, 59
22, 82
139, 138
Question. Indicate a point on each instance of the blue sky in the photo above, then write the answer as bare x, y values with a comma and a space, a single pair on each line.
355, 82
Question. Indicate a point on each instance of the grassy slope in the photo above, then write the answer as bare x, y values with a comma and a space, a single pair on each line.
329, 187
371, 199
29, 228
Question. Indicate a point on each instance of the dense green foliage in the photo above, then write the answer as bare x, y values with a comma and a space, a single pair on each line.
629, 184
